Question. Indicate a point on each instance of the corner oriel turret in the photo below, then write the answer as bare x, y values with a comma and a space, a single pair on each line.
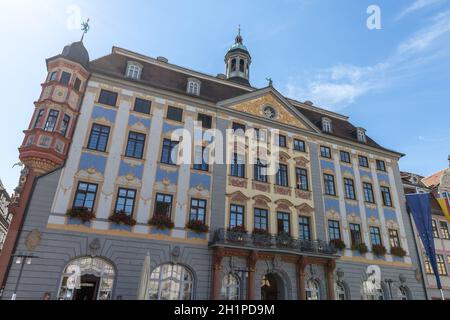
49, 134
237, 61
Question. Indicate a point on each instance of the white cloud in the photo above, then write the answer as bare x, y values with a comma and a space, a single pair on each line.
417, 5
341, 85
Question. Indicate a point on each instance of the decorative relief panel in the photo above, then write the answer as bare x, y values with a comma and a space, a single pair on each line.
237, 182
301, 162
260, 186
285, 191
305, 195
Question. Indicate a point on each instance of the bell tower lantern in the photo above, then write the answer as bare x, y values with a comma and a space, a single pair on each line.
237, 61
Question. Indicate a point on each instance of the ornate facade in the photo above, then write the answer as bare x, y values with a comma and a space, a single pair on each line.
107, 191
5, 217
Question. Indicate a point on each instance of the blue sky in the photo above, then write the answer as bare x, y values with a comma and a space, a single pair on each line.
394, 81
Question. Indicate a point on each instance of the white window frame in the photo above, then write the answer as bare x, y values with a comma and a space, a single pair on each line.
134, 70
361, 135
327, 125
193, 86
231, 287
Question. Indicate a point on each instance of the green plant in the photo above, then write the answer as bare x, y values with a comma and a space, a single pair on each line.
197, 226
379, 250
161, 221
82, 213
338, 244
361, 247
238, 229
260, 232
120, 217
398, 252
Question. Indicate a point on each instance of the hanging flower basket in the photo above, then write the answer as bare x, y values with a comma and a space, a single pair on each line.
361, 247
197, 226
338, 244
161, 221
120, 217
398, 252
379, 250
82, 213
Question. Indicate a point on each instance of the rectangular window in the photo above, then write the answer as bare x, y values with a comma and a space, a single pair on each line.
174, 113
98, 140
236, 216
65, 78
39, 116
85, 196
53, 76
302, 179
107, 97
283, 223
142, 106
299, 145
282, 176
167, 150
238, 166
135, 145
282, 141
368, 193
349, 187
375, 236
345, 156
394, 239
125, 201
65, 124
328, 181
77, 84
355, 234
260, 171
261, 219
444, 230
198, 210
363, 161
386, 195
201, 159
381, 166
304, 231
325, 152
52, 118
205, 120
163, 205
240, 128
441, 265
334, 230
435, 229
428, 268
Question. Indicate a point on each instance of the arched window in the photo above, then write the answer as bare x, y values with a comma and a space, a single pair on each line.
326, 125
233, 64
361, 135
312, 290
340, 292
241, 65
231, 287
134, 70
87, 279
371, 292
171, 282
193, 86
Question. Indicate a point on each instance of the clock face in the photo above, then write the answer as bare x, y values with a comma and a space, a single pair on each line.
269, 112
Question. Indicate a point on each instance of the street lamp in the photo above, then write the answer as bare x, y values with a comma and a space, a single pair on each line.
22, 260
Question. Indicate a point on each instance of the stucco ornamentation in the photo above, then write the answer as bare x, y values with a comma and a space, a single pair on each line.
301, 162
305, 195
33, 239
285, 191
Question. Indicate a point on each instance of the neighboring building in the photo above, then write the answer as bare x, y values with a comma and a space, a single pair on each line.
5, 217
439, 183
100, 141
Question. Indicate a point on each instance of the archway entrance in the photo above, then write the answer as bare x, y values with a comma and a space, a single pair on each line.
88, 288
272, 287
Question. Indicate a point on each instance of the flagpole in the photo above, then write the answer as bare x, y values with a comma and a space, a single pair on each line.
442, 294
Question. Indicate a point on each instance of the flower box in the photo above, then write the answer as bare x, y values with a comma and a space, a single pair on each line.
237, 234
161, 221
338, 244
261, 238
83, 214
361, 247
121, 217
398, 252
197, 226
379, 250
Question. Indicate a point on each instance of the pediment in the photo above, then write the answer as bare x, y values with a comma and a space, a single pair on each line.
256, 104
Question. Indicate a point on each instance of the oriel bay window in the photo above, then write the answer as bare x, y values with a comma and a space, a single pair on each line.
125, 201
355, 234
98, 139
50, 124
260, 171
349, 188
167, 150
236, 216
85, 196
260, 219
368, 193
238, 165
334, 230
375, 236
328, 180
39, 116
135, 146
302, 179
198, 210
282, 176
304, 231
65, 124
163, 204
386, 195
283, 223
65, 78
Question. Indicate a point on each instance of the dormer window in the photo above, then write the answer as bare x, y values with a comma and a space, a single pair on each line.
193, 86
134, 70
361, 135
326, 125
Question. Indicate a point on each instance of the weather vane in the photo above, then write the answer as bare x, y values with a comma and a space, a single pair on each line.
85, 28
270, 81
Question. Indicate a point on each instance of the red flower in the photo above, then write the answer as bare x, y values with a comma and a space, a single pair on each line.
161, 221
120, 217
